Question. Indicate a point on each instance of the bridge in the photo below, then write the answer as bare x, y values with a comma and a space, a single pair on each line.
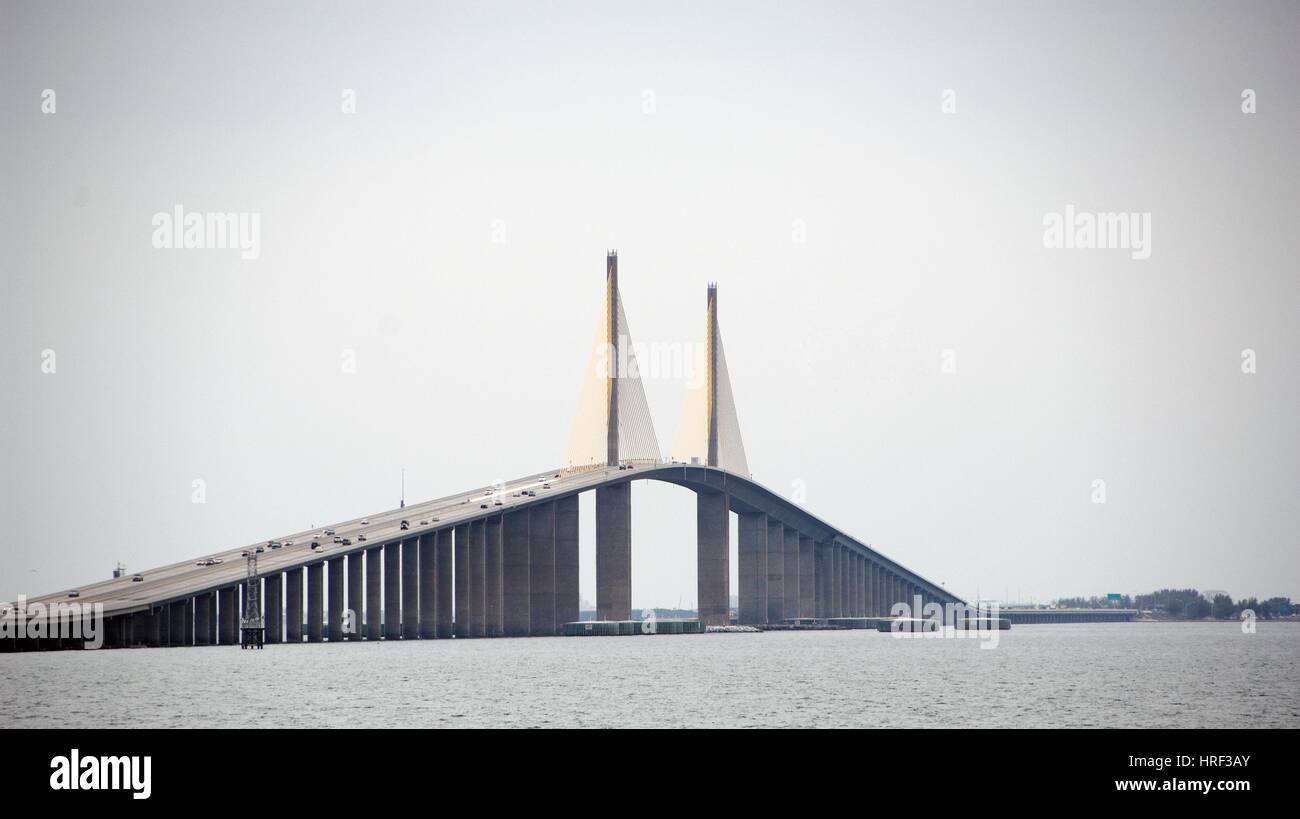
502, 561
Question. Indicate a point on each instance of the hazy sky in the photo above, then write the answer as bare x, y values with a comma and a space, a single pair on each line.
703, 141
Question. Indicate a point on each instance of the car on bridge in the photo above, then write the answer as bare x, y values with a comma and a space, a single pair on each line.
208, 561
74, 593
359, 539
347, 541
139, 578
406, 524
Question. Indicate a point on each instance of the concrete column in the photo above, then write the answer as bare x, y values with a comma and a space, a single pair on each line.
515, 574
188, 628
175, 624
157, 628
845, 583
336, 605
566, 561
614, 552
411, 588
712, 549
140, 627
203, 605
227, 616
752, 554
463, 603
819, 554
356, 603
274, 605
860, 583
493, 570
477, 580
873, 589
374, 592
775, 571
393, 591
541, 571
792, 573
428, 586
833, 592
444, 549
293, 606
807, 578
315, 602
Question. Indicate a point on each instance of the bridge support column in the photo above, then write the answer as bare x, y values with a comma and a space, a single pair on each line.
860, 584
393, 591
541, 571
337, 608
819, 568
157, 628
775, 571
807, 578
374, 617
175, 624
833, 579
356, 602
444, 548
428, 586
515, 574
874, 603
752, 554
227, 616
566, 561
203, 606
293, 581
712, 550
477, 580
846, 581
274, 606
793, 583
315, 602
493, 570
614, 552
411, 588
464, 605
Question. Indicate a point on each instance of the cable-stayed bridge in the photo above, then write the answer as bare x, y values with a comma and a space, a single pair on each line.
502, 561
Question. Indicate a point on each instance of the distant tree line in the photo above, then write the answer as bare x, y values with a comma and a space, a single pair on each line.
1188, 604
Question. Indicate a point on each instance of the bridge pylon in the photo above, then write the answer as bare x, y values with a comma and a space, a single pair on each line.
709, 430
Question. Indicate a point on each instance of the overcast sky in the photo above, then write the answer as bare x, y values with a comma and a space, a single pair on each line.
452, 231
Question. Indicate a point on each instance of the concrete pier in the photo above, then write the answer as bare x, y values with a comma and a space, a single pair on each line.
515, 574
807, 578
712, 552
204, 605
356, 602
411, 588
775, 571
335, 603
227, 616
493, 577
793, 583
274, 607
315, 602
614, 552
428, 586
751, 552
176, 624
393, 591
566, 560
374, 592
541, 571
293, 606
463, 603
444, 549
477, 580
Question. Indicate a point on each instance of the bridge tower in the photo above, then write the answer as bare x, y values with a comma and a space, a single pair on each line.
612, 430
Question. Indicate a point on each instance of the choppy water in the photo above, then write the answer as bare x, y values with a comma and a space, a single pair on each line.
1123, 675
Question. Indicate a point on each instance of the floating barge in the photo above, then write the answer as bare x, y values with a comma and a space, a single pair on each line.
626, 628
